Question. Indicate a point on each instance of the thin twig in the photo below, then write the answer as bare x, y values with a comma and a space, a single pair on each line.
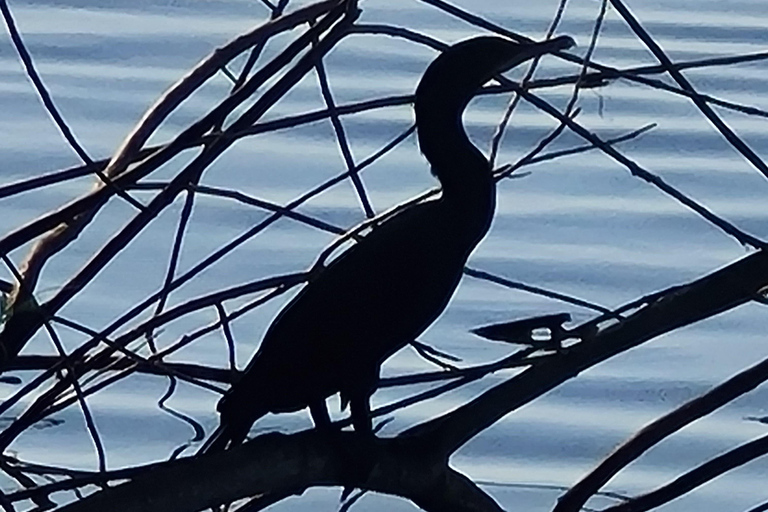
507, 171
50, 106
87, 415
515, 285
197, 428
341, 139
71, 376
21, 328
37, 82
609, 71
173, 262
640, 172
502, 125
227, 330
737, 143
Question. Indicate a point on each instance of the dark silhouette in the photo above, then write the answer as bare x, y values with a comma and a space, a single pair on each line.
384, 291
523, 332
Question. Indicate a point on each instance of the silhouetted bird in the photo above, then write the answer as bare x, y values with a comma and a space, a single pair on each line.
388, 288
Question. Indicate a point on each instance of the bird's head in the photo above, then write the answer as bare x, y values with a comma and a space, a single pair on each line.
451, 80
461, 69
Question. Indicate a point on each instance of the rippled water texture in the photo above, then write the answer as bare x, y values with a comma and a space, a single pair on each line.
580, 225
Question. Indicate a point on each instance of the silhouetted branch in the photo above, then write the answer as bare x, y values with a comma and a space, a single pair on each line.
341, 139
738, 144
605, 72
281, 464
435, 356
173, 261
646, 175
74, 479
214, 62
760, 508
227, 330
685, 483
458, 378
634, 168
44, 402
41, 501
508, 171
19, 328
396, 31
635, 74
660, 429
194, 169
487, 276
267, 205
37, 82
196, 371
51, 178
234, 315
276, 11
502, 125
720, 291
80, 397
475, 20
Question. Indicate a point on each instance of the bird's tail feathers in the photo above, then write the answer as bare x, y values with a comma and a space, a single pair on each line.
225, 436
238, 410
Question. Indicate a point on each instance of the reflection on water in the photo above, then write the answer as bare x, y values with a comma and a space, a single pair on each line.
580, 225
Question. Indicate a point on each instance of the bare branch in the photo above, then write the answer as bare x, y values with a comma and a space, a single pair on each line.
719, 291
283, 464
698, 476
660, 429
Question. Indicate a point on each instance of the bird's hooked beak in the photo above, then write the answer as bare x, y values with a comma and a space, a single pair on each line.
532, 50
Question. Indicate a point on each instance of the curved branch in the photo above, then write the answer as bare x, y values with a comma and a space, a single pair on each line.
656, 431
715, 293
698, 476
280, 464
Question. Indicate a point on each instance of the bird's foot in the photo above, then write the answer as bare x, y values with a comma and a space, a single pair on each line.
358, 456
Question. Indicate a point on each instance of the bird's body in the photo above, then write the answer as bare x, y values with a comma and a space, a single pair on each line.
384, 291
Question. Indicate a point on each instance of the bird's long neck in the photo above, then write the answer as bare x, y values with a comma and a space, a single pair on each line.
463, 171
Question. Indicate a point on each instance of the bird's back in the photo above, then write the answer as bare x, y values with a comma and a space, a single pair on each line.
371, 301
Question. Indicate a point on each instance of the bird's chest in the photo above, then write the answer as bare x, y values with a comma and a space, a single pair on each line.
379, 295
396, 295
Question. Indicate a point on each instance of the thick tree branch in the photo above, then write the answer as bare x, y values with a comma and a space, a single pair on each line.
276, 463
720, 291
658, 430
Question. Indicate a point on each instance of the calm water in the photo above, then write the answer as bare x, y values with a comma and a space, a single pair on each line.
581, 226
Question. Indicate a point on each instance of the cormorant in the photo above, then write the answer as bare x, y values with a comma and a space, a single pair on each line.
384, 291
